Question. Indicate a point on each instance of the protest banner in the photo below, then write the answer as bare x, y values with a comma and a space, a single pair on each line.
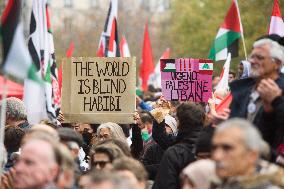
98, 90
187, 79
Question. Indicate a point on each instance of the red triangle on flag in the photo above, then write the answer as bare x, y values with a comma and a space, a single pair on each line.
232, 20
147, 65
276, 9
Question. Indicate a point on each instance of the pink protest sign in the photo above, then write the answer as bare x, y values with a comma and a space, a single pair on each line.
187, 79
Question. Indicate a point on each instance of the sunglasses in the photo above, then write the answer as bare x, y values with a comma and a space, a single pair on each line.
102, 164
224, 147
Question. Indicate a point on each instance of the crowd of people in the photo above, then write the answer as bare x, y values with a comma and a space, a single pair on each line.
170, 144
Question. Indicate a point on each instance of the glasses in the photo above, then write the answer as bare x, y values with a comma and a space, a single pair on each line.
224, 147
102, 164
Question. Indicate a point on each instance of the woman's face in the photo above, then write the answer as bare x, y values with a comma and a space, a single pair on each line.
104, 134
240, 69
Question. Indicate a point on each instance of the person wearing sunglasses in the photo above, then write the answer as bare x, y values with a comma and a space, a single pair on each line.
103, 155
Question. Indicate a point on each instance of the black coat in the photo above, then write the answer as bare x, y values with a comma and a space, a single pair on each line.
152, 159
174, 160
271, 125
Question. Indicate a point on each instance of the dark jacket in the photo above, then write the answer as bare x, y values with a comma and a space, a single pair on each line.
271, 125
160, 136
152, 159
175, 159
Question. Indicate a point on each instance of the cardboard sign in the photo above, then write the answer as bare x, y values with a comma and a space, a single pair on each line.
187, 79
98, 90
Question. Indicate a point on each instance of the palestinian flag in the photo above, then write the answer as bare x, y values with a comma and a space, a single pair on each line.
276, 25
16, 59
42, 101
227, 37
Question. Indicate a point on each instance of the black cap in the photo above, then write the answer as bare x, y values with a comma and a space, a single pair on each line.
273, 37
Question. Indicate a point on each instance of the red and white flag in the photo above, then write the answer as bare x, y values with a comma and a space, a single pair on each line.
109, 39
276, 22
224, 76
124, 49
147, 65
101, 49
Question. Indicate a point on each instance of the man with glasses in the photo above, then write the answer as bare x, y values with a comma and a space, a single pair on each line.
236, 149
259, 98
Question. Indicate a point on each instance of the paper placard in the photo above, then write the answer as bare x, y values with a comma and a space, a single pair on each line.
98, 90
187, 79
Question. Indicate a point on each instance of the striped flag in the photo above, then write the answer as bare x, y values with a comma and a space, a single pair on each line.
42, 101
109, 38
16, 59
124, 49
227, 37
205, 67
276, 25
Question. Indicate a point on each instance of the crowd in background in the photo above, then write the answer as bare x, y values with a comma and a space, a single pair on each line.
170, 145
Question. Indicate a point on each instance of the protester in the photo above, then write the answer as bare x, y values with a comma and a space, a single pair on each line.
108, 180
66, 177
121, 144
232, 76
191, 118
38, 166
259, 98
153, 155
199, 175
73, 142
102, 156
243, 69
236, 150
16, 113
110, 130
12, 141
132, 169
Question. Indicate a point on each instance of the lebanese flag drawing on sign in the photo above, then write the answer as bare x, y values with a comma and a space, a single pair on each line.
276, 25
205, 66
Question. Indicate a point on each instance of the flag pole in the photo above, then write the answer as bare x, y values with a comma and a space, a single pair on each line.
3, 121
244, 45
242, 31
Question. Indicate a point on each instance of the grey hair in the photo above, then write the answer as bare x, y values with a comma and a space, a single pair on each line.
276, 50
251, 136
15, 109
116, 130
